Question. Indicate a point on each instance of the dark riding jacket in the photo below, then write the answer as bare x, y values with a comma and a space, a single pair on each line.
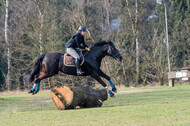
75, 42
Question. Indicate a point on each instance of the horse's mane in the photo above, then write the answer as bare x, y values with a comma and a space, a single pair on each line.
101, 43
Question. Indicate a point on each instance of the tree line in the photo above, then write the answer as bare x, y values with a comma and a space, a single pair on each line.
29, 28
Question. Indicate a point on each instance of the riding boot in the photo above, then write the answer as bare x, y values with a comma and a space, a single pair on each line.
77, 64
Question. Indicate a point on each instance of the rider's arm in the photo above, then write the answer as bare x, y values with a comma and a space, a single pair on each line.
84, 44
78, 40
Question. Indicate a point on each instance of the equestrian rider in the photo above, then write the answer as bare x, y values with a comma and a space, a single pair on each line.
75, 42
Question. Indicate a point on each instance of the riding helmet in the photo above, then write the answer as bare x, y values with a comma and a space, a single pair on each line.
82, 28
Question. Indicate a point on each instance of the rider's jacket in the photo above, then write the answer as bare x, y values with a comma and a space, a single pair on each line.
75, 42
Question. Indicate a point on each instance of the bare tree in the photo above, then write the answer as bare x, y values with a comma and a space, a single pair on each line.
6, 4
42, 6
134, 26
137, 40
107, 7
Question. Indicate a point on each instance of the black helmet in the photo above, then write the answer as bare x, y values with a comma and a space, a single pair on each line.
82, 28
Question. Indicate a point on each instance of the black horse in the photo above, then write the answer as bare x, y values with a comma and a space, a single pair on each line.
50, 64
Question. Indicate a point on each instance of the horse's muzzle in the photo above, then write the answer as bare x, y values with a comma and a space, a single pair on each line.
121, 58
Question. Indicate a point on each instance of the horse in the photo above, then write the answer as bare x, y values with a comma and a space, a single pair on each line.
49, 64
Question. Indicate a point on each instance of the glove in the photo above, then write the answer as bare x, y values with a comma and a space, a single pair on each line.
88, 49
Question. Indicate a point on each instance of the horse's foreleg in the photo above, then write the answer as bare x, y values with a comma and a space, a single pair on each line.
102, 74
97, 77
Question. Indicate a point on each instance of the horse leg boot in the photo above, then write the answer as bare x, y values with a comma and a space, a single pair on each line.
35, 88
114, 89
77, 64
102, 74
110, 92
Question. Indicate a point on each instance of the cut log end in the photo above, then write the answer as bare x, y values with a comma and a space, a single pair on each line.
65, 93
58, 103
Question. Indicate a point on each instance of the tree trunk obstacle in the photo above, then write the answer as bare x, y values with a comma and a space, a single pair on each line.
84, 97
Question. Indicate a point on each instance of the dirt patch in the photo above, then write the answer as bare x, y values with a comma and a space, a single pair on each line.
136, 91
43, 101
13, 93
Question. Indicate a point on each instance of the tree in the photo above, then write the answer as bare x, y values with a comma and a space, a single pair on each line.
179, 13
36, 27
8, 82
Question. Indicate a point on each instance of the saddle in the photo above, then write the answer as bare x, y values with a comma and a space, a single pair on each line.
70, 61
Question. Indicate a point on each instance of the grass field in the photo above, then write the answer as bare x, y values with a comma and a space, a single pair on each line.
166, 106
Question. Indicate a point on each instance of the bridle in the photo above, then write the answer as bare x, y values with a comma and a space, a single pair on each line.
112, 46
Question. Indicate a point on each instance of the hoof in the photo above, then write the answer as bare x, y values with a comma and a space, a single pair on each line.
31, 91
114, 89
35, 92
111, 94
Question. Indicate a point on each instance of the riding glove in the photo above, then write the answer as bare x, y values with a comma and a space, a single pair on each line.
88, 49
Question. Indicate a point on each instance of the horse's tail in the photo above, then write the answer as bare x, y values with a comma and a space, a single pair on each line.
36, 70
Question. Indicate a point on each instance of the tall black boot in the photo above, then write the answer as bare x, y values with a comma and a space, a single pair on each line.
77, 64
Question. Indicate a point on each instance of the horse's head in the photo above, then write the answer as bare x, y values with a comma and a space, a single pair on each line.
113, 51
103, 48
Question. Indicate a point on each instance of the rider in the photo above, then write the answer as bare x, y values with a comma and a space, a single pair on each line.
75, 42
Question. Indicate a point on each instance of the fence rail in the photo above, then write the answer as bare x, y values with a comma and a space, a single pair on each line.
177, 75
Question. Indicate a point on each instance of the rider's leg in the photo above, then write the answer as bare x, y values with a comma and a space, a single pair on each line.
74, 54
77, 63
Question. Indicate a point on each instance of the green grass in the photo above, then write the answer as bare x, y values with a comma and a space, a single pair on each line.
167, 106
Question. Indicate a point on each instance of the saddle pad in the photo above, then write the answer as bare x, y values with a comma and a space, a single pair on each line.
68, 60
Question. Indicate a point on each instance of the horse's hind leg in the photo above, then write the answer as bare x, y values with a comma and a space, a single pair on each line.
44, 74
40, 77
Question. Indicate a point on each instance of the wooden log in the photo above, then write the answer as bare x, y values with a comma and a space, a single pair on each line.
84, 97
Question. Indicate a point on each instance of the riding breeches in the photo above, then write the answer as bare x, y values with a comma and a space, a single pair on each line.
73, 53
